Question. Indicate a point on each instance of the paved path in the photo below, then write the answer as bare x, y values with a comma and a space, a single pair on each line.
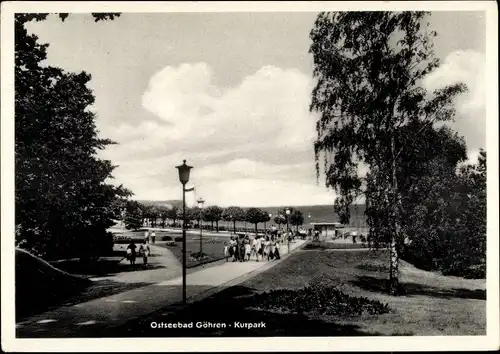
164, 261
88, 318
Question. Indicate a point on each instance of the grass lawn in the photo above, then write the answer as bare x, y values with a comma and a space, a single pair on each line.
213, 248
432, 305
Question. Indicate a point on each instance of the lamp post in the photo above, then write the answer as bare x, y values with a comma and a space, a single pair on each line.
201, 202
184, 171
288, 228
265, 228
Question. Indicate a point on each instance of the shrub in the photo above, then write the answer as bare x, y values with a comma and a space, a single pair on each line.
178, 239
166, 238
322, 300
170, 243
197, 256
315, 246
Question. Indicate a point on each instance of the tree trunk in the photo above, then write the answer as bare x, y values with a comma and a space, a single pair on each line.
256, 232
395, 227
217, 225
234, 226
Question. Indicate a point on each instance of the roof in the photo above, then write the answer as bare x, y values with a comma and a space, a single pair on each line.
336, 224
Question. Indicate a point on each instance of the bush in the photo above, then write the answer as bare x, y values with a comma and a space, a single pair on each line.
322, 300
315, 246
197, 256
178, 239
171, 243
166, 238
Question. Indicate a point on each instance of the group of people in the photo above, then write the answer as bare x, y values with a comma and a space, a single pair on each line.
245, 248
149, 237
142, 250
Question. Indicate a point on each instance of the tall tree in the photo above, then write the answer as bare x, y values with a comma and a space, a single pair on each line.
254, 216
213, 214
134, 215
173, 213
234, 213
63, 203
369, 68
280, 219
297, 219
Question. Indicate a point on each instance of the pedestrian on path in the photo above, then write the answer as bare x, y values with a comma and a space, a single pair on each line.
248, 250
144, 252
266, 247
132, 252
227, 252
241, 250
146, 235
153, 236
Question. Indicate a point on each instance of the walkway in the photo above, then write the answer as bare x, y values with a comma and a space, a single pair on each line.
164, 262
89, 318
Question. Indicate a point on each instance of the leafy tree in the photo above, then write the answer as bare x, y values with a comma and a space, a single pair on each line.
213, 214
254, 216
369, 68
134, 216
163, 214
234, 213
265, 218
173, 213
297, 219
63, 203
280, 219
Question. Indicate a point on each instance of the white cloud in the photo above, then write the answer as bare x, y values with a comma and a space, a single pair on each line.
267, 112
467, 67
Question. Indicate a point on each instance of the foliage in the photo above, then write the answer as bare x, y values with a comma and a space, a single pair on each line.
280, 219
213, 214
63, 204
369, 68
233, 213
173, 213
297, 218
321, 300
254, 216
133, 215
447, 229
166, 238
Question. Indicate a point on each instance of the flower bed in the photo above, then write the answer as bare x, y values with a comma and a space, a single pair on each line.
318, 300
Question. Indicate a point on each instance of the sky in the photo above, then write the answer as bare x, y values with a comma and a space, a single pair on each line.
230, 93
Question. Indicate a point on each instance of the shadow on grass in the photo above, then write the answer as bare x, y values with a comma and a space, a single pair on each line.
104, 267
229, 308
408, 289
38, 298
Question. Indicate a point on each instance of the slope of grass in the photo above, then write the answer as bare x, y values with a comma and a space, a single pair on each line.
432, 304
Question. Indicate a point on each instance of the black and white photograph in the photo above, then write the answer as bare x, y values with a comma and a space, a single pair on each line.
258, 171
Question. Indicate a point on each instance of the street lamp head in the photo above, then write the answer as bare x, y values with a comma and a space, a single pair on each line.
201, 202
270, 215
184, 172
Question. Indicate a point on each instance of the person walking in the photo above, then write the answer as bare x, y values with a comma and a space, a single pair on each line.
153, 237
241, 250
146, 235
226, 251
272, 248
248, 249
266, 247
132, 252
144, 252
